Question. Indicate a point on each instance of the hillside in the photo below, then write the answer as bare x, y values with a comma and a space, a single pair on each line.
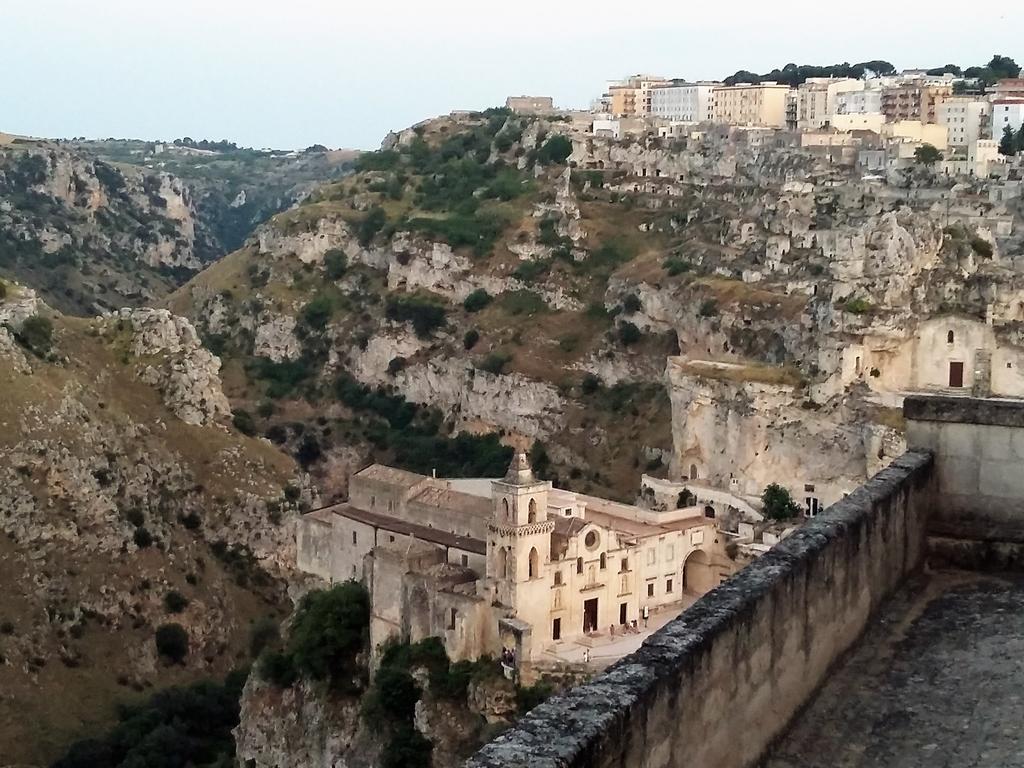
519, 277
94, 226
126, 502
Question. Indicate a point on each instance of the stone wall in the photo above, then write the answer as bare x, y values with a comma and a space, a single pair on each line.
717, 684
979, 449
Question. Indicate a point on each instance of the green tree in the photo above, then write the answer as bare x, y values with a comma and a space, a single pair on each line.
36, 334
778, 503
927, 155
335, 263
1020, 138
477, 300
1008, 143
555, 151
172, 642
374, 222
329, 631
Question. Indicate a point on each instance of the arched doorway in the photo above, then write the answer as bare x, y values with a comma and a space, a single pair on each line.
698, 576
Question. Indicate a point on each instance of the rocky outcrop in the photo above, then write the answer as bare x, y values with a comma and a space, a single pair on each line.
186, 374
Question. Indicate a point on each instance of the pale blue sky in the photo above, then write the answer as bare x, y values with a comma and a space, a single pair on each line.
290, 74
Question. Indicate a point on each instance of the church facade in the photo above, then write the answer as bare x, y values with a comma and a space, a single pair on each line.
508, 563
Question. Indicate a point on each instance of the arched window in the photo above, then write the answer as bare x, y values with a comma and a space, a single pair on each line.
534, 564
531, 516
604, 561
504, 509
624, 565
709, 511
579, 565
949, 337
558, 578
693, 471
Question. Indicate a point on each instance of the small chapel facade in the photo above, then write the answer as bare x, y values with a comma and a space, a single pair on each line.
488, 564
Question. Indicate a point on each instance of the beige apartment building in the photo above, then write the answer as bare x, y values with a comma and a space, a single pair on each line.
966, 118
632, 97
914, 101
746, 104
815, 100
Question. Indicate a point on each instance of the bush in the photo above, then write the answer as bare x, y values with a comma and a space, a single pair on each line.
631, 304
175, 602
529, 271
396, 364
629, 334
243, 422
396, 693
172, 642
376, 219
857, 306
278, 669
335, 263
36, 335
263, 634
530, 696
708, 308
142, 537
495, 362
407, 748
425, 315
523, 303
981, 246
471, 338
328, 631
778, 503
317, 313
555, 151
477, 300
590, 384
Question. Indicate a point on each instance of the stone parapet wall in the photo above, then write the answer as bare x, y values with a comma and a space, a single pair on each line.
717, 684
979, 465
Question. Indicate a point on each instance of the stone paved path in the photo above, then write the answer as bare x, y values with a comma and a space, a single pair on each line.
937, 682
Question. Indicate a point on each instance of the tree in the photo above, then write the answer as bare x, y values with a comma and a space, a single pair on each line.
1003, 67
927, 154
477, 300
36, 334
172, 642
1008, 144
555, 151
1020, 138
335, 263
778, 503
329, 631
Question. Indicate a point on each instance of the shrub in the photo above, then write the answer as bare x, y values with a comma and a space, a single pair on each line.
590, 384
471, 338
396, 364
382, 160
36, 335
374, 221
172, 642
495, 362
328, 631
335, 263
708, 308
529, 697
407, 748
243, 422
981, 246
396, 693
631, 304
629, 334
523, 303
263, 634
175, 602
778, 503
142, 537
278, 669
529, 271
317, 313
477, 300
555, 151
857, 306
424, 314
191, 521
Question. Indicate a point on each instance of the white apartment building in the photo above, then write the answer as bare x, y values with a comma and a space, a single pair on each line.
1006, 112
967, 119
746, 104
683, 102
866, 101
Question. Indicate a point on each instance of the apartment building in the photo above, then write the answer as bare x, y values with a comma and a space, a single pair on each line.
1006, 112
1008, 89
762, 104
866, 101
632, 97
684, 102
914, 101
966, 118
816, 99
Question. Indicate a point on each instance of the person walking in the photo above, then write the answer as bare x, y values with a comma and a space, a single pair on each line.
647, 615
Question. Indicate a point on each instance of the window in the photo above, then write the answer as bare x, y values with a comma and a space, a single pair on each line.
670, 553
504, 509
693, 471
668, 586
355, 538
556, 629
591, 540
532, 514
651, 556
373, 502
604, 561
949, 337
650, 589
568, 512
624, 565
392, 539
465, 561
558, 578
579, 565
452, 613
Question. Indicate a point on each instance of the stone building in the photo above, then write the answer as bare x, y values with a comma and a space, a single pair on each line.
508, 563
530, 105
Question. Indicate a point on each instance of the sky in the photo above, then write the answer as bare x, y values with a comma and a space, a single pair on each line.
344, 73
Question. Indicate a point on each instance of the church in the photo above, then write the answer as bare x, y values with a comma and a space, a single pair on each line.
487, 564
